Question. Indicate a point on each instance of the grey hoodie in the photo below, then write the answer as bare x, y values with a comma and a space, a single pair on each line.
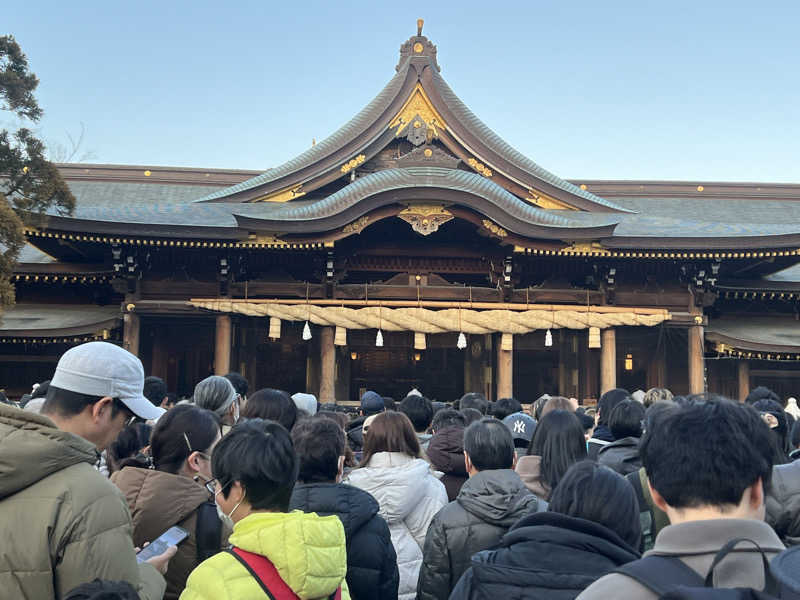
488, 504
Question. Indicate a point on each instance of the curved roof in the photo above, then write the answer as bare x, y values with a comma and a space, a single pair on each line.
498, 145
477, 192
357, 135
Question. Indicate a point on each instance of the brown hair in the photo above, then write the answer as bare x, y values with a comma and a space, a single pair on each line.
390, 432
558, 403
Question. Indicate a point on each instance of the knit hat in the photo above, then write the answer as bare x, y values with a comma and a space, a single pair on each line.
372, 403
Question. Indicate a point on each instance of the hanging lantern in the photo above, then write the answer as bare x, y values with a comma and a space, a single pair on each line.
507, 342
462, 341
594, 337
306, 332
274, 328
548, 339
419, 341
379, 339
629, 362
340, 337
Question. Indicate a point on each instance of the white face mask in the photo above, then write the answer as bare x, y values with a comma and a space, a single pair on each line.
226, 519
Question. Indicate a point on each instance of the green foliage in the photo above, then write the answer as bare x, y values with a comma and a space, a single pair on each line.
30, 185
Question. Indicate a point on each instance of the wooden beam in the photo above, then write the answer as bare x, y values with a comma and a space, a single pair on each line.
697, 383
222, 345
505, 372
744, 379
327, 351
608, 360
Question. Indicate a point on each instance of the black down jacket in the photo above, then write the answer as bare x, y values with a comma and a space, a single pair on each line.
488, 504
371, 560
545, 556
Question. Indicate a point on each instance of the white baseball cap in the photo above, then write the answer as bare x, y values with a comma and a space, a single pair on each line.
102, 369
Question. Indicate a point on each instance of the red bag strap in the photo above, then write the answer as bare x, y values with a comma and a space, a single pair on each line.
267, 576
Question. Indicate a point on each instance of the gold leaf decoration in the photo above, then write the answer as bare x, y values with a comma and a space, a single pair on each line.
418, 104
349, 166
356, 226
494, 228
480, 167
284, 195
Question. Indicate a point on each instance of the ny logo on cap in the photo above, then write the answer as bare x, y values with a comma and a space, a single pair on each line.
519, 426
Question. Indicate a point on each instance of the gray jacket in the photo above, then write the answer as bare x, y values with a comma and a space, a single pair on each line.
696, 543
488, 504
783, 502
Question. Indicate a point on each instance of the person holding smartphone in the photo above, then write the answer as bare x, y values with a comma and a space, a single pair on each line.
170, 490
62, 523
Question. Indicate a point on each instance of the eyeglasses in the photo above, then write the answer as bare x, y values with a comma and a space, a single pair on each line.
211, 486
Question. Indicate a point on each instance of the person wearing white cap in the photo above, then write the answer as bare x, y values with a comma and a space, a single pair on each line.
66, 523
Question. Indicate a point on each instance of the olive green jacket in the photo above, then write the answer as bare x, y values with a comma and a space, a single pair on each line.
61, 522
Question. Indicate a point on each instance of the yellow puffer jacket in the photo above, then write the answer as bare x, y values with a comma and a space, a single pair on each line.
308, 551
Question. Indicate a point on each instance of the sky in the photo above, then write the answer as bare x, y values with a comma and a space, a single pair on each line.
680, 90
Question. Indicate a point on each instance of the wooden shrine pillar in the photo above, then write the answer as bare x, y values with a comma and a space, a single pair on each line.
222, 345
608, 360
131, 326
327, 379
744, 380
505, 371
697, 384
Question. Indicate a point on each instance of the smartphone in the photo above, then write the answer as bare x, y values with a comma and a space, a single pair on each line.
171, 537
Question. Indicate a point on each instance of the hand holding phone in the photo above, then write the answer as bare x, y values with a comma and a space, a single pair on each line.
171, 537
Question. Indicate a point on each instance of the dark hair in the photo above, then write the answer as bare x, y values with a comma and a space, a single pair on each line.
471, 415
448, 417
707, 453
794, 438
596, 493
318, 443
761, 393
103, 590
390, 432
389, 403
655, 411
474, 400
274, 405
505, 407
419, 411
607, 403
560, 442
128, 444
67, 403
238, 382
155, 389
489, 444
626, 419
168, 446
781, 432
259, 454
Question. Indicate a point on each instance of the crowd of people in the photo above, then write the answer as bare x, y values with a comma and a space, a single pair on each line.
279, 496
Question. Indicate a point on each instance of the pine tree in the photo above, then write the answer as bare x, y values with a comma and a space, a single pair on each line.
30, 185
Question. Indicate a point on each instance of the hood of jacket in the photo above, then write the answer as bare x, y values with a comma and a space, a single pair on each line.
32, 447
308, 551
549, 551
497, 496
353, 506
602, 433
159, 498
355, 433
395, 480
446, 451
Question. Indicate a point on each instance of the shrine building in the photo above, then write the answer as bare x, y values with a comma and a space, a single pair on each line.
415, 248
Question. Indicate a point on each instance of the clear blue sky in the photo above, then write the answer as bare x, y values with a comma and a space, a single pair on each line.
698, 90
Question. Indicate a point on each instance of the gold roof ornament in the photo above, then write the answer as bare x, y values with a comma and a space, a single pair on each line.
425, 219
420, 24
418, 104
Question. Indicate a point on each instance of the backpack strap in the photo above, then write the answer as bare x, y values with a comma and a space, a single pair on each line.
267, 576
208, 531
660, 574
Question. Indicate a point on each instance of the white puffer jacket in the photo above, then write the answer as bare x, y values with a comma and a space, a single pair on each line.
409, 495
